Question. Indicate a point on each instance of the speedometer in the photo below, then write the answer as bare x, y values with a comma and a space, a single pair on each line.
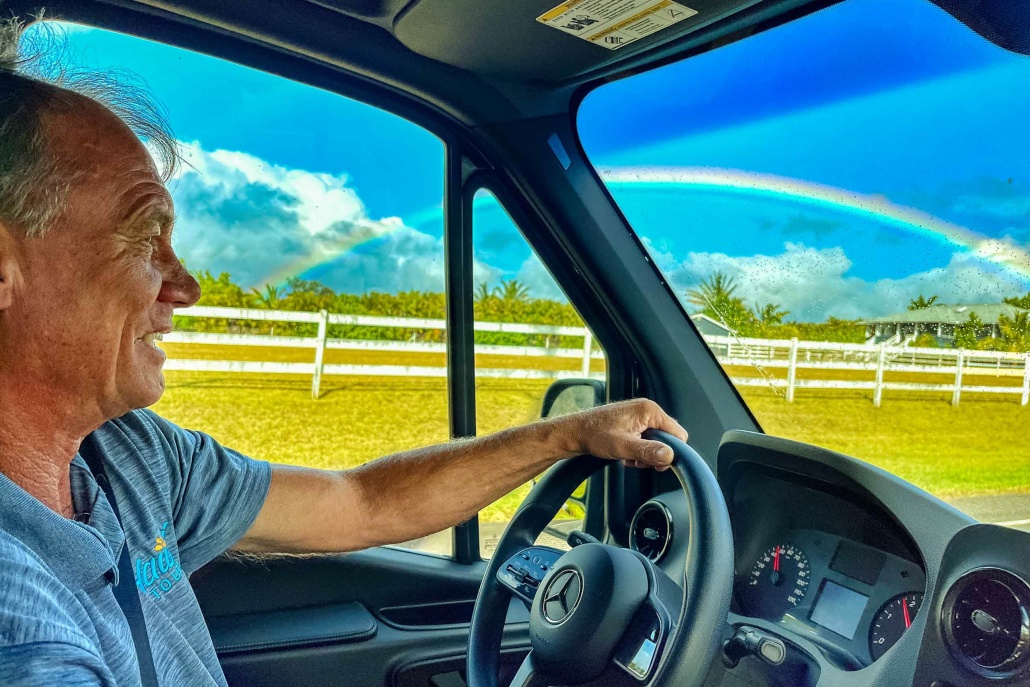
777, 582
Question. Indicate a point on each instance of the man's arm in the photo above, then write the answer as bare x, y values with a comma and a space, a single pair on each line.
52, 663
415, 493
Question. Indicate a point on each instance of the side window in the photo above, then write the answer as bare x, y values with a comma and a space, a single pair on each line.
528, 337
314, 225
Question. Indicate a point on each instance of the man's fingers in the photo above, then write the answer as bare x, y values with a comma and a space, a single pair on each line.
665, 422
649, 453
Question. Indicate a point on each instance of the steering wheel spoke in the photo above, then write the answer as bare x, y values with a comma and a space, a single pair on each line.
523, 573
639, 650
528, 674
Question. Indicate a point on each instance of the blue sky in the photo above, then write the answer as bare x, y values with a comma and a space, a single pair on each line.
918, 110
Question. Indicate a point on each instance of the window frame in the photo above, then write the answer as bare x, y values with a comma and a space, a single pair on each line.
593, 499
466, 168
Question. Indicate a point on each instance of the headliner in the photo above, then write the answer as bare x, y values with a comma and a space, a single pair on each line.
474, 61
479, 61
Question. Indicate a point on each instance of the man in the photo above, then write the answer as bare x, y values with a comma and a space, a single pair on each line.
88, 279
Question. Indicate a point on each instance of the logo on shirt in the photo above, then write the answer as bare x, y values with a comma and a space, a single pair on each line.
157, 574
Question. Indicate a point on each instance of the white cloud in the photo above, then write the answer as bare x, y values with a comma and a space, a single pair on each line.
258, 221
814, 283
538, 279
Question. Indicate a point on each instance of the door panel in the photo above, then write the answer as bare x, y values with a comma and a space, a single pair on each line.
383, 617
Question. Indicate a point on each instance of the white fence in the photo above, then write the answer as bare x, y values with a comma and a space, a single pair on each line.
759, 354
794, 355
321, 342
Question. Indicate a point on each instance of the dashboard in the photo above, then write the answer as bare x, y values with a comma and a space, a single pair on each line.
823, 566
862, 578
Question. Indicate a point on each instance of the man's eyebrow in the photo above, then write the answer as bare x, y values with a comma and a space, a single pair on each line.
147, 198
153, 209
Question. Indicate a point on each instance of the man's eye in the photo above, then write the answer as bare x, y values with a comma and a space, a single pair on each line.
152, 232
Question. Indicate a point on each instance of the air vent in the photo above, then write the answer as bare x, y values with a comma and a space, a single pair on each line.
651, 530
986, 618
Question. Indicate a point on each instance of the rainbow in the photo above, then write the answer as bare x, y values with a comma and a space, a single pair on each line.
328, 253
1004, 253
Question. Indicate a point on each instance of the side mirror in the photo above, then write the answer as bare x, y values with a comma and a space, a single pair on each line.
567, 396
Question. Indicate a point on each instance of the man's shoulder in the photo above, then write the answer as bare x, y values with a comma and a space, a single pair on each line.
143, 434
37, 606
141, 427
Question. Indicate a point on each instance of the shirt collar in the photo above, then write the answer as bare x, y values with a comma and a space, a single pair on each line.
75, 552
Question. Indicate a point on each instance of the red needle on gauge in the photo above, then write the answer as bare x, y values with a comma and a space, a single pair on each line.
776, 559
904, 607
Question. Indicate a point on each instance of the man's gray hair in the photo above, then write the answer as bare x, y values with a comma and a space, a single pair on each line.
34, 182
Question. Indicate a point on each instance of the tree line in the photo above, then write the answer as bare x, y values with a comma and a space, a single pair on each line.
717, 298
512, 301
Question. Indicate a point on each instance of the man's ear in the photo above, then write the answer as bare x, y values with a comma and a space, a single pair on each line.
8, 267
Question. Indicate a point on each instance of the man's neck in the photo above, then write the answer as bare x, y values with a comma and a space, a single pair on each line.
38, 443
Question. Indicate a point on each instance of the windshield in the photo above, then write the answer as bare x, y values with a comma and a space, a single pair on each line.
842, 204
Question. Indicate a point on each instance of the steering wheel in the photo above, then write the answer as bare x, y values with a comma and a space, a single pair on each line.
600, 608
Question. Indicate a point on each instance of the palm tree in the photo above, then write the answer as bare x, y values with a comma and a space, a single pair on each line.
512, 291
921, 303
270, 298
716, 299
483, 293
770, 313
967, 334
1019, 301
717, 290
1015, 331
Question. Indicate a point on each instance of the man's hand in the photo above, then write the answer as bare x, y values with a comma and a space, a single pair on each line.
613, 431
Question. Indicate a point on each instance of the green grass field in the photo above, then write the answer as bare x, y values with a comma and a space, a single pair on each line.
976, 448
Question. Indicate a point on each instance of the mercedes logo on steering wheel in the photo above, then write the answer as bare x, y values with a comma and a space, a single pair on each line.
562, 596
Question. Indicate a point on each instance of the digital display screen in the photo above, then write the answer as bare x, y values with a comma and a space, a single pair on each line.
858, 562
839, 609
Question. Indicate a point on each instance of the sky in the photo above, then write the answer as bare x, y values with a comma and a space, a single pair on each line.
840, 165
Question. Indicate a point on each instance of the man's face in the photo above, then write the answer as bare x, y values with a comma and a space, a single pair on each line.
104, 279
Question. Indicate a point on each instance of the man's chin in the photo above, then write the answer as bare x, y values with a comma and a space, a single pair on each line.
148, 391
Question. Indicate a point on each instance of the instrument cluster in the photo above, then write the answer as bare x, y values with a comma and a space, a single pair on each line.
849, 597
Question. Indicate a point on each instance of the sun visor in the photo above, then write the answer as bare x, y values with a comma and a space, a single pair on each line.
1003, 22
545, 40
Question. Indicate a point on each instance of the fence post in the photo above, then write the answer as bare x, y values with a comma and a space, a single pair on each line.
323, 332
881, 360
958, 377
792, 369
588, 349
1026, 380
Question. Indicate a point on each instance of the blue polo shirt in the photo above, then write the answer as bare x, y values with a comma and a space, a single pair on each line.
183, 498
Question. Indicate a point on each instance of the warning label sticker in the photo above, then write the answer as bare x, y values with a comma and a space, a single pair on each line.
615, 23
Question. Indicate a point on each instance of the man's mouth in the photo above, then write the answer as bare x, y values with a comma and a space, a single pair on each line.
151, 339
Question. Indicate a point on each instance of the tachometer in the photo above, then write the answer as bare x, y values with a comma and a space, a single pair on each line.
777, 582
891, 621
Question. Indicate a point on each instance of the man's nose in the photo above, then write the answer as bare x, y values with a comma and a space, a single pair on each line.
178, 286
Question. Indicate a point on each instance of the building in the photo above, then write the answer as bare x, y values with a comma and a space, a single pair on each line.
939, 321
709, 327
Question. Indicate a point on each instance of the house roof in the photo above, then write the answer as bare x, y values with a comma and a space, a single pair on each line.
949, 314
700, 316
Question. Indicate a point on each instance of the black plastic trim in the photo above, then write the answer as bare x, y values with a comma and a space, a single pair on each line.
269, 630
461, 358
